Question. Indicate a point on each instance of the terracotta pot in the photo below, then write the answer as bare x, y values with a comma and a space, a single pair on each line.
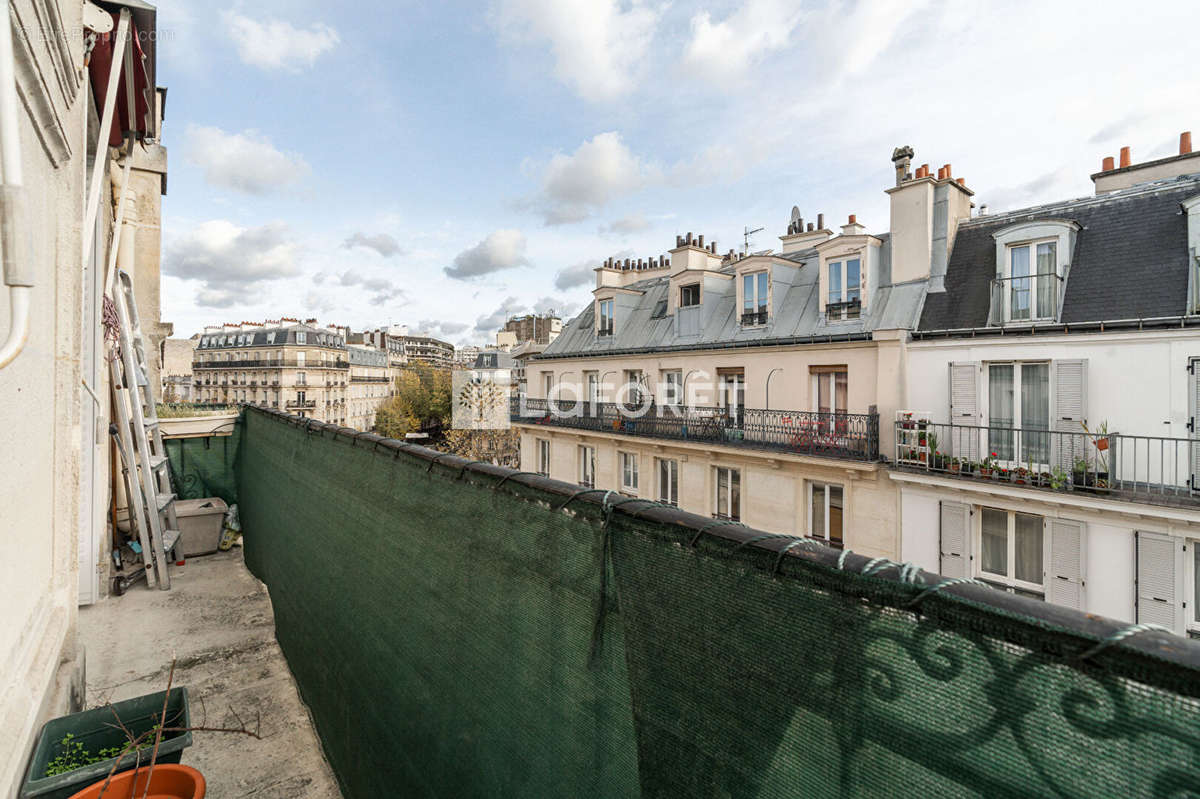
1102, 444
169, 781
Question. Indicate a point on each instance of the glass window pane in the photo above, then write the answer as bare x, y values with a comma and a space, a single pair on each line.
994, 558
1035, 413
1195, 579
852, 280
835, 514
1028, 548
1047, 283
835, 281
722, 492
823, 389
818, 510
1019, 285
839, 392
735, 494
1000, 410
762, 291
748, 293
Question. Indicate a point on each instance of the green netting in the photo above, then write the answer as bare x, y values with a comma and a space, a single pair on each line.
203, 466
445, 636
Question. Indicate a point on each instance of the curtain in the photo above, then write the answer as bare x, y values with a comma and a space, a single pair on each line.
1047, 281
1035, 412
1028, 549
1000, 410
835, 514
1019, 284
818, 511
994, 537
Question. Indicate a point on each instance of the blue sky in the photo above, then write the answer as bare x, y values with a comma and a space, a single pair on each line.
445, 164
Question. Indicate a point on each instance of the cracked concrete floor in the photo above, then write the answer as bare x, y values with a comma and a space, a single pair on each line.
217, 622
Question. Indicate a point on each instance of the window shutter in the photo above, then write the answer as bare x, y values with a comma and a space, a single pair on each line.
1194, 421
1159, 576
1064, 581
953, 541
1070, 412
964, 409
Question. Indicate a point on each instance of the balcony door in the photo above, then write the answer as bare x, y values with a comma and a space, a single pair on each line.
732, 384
830, 394
1019, 413
1033, 282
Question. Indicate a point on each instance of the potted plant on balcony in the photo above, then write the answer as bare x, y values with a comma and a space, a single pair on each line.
985, 466
1059, 479
1080, 476
955, 465
1021, 475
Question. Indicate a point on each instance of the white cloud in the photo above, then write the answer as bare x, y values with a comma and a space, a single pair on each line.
491, 322
598, 45
575, 186
577, 275
502, 249
634, 223
382, 243
723, 51
275, 44
230, 261
245, 162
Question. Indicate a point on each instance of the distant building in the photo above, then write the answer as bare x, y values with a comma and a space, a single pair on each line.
532, 327
465, 356
371, 384
429, 350
176, 355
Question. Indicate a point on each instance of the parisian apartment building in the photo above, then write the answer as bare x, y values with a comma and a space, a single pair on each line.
1008, 397
405, 348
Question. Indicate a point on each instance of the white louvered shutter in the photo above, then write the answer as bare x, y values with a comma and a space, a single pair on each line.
952, 546
1070, 413
1194, 422
1159, 580
1064, 579
964, 409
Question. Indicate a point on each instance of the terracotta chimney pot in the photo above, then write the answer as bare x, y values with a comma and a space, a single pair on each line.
1109, 164
948, 171
1126, 159
962, 181
853, 219
1185, 142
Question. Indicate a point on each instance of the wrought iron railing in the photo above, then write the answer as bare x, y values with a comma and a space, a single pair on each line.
1141, 468
358, 379
851, 309
312, 403
271, 363
850, 436
751, 318
1032, 298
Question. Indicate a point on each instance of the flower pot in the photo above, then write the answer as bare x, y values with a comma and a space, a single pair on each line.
167, 781
1102, 443
96, 729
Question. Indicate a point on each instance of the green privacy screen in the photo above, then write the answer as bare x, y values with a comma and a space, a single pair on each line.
202, 466
455, 633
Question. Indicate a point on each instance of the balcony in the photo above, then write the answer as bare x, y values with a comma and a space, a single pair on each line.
1152, 469
754, 318
357, 379
846, 436
851, 309
301, 404
1025, 300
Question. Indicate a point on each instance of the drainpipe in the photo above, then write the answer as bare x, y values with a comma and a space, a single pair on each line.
18, 269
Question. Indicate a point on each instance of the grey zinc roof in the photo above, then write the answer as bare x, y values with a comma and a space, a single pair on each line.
1130, 259
795, 319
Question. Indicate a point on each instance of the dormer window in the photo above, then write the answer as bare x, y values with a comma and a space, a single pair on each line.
1030, 283
689, 295
845, 289
301, 337
754, 299
604, 315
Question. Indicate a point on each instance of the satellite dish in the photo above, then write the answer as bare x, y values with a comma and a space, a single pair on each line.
795, 213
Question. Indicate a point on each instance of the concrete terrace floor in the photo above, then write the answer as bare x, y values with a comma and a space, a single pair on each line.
217, 621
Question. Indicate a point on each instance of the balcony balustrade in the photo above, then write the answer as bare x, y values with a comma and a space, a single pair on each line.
848, 436
1032, 298
296, 403
753, 318
1153, 469
271, 363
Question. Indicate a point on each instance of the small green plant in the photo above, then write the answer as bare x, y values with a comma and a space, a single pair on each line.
1058, 478
74, 755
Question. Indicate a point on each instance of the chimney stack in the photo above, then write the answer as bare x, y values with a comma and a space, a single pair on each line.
1126, 159
810, 227
820, 221
853, 219
1108, 164
700, 241
902, 159
1185, 143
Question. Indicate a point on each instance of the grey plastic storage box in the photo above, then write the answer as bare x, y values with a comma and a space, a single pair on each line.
200, 522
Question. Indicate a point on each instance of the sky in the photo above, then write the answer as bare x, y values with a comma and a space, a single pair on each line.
445, 165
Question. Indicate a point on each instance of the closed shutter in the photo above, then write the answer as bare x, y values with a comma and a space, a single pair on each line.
1070, 413
1064, 580
1159, 577
964, 410
952, 548
1194, 422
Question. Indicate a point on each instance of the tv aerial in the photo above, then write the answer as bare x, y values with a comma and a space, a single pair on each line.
746, 234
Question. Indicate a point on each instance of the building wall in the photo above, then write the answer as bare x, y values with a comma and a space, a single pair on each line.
147, 183
774, 486
48, 487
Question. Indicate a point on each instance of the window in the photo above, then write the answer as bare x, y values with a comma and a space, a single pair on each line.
587, 467
592, 381
728, 498
604, 312
301, 337
732, 387
300, 379
668, 481
1018, 409
629, 472
825, 508
543, 457
1032, 277
689, 295
845, 289
300, 397
754, 299
830, 389
548, 383
672, 383
633, 386
1011, 551
271, 337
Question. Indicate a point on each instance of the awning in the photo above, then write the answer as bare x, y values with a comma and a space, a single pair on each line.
145, 34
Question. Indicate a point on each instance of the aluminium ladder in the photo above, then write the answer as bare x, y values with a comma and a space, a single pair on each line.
147, 474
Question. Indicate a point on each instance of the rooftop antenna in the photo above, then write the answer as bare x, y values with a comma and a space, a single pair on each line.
747, 233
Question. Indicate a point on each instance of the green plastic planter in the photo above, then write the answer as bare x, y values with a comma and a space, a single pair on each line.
97, 729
